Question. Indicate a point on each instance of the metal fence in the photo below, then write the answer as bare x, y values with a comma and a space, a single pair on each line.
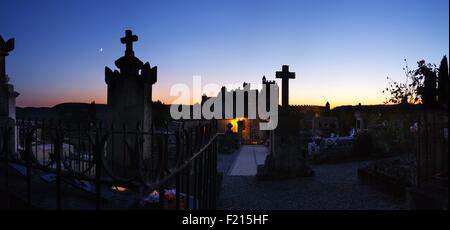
432, 155
179, 160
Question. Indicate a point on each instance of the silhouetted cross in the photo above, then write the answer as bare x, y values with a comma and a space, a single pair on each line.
285, 75
128, 41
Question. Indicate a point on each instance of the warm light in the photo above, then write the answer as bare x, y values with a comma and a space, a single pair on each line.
120, 189
234, 122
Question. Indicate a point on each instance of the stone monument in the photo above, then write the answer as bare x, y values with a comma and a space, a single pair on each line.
287, 156
7, 94
130, 101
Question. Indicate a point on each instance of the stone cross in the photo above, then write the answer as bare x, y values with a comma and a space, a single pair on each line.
129, 104
128, 41
285, 75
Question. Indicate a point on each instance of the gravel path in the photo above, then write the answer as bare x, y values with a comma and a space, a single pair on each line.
333, 187
247, 160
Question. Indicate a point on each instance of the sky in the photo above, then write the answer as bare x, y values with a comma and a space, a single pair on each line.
341, 50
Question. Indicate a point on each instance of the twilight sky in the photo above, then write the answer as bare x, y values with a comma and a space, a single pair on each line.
341, 50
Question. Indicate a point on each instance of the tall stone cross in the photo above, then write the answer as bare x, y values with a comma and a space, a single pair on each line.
128, 41
285, 75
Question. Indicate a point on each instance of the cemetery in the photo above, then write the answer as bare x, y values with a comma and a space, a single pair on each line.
122, 162
130, 154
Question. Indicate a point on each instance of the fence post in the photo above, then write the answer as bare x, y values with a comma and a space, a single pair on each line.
161, 193
160, 170
6, 140
195, 187
98, 148
58, 149
188, 188
214, 158
166, 148
28, 153
178, 163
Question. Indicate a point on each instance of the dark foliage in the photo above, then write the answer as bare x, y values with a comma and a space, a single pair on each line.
443, 91
364, 144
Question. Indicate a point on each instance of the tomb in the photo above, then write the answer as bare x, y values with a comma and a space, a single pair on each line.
7, 96
287, 157
130, 104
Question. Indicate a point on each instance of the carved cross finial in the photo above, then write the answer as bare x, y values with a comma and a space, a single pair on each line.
128, 41
5, 48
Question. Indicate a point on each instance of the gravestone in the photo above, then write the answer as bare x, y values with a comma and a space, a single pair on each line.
7, 94
130, 102
287, 157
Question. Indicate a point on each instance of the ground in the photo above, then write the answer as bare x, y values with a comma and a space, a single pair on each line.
333, 187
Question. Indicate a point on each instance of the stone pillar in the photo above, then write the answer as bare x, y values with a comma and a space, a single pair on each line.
266, 83
7, 95
272, 142
8, 101
240, 130
2, 68
130, 102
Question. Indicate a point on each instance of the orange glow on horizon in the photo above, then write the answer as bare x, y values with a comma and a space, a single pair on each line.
50, 102
336, 97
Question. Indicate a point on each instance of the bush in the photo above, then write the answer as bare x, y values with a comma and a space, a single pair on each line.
364, 144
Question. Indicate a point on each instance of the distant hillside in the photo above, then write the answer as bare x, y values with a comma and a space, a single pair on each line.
66, 111
390, 108
34, 113
80, 112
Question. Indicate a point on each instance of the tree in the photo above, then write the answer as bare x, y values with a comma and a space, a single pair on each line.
420, 85
407, 92
428, 91
443, 91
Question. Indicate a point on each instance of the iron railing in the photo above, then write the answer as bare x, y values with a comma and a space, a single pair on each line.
181, 160
432, 149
